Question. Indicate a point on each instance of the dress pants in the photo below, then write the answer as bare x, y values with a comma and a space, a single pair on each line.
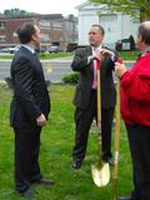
83, 120
139, 142
107, 122
27, 148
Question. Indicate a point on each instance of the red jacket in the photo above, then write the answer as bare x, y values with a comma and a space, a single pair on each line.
135, 93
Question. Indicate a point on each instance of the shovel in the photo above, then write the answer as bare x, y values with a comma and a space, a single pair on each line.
116, 141
100, 171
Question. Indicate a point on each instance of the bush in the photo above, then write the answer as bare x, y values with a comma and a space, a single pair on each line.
71, 78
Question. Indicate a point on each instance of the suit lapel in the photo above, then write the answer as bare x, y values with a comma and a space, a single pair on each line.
35, 62
88, 52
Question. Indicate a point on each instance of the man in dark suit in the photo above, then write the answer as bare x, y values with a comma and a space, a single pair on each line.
29, 110
86, 95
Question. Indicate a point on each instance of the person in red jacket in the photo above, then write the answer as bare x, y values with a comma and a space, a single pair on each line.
135, 110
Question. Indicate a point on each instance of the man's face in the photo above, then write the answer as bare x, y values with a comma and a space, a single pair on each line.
37, 36
95, 36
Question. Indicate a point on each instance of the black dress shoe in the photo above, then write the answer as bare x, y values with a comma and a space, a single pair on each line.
76, 165
125, 198
45, 181
28, 193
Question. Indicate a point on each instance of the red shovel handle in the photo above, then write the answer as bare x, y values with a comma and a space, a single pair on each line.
98, 64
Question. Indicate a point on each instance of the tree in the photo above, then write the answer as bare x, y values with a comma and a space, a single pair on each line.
17, 13
134, 8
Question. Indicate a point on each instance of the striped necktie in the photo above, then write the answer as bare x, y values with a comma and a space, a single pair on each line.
94, 84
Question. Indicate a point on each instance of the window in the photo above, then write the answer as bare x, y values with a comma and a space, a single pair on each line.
69, 26
45, 37
108, 18
2, 25
57, 26
44, 24
2, 38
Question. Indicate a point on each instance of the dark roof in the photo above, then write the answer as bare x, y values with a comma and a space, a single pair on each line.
36, 16
50, 16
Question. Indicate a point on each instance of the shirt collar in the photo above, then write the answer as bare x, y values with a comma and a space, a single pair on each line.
99, 47
29, 48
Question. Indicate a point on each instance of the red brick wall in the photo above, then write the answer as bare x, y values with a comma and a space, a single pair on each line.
11, 27
56, 35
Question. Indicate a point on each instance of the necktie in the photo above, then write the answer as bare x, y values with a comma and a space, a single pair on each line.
94, 85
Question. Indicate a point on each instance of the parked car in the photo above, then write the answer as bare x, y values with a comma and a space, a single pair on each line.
54, 49
14, 49
73, 46
126, 44
123, 44
5, 50
39, 50
10, 49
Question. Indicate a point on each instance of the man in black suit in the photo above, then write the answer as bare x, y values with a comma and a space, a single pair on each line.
86, 95
29, 110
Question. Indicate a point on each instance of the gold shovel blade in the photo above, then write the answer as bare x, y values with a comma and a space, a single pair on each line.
101, 174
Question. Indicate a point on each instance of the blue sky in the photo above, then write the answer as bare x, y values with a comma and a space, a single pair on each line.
64, 7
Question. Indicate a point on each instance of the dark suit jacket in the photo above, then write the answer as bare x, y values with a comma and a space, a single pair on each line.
84, 86
30, 93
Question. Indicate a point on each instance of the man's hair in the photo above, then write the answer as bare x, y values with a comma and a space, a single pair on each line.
144, 32
26, 32
101, 29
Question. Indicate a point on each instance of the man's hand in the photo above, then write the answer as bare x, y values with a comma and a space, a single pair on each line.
105, 52
120, 69
41, 120
96, 55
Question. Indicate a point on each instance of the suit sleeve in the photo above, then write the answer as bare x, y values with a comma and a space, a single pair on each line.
80, 61
23, 80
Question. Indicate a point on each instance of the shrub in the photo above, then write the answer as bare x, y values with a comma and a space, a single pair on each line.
71, 78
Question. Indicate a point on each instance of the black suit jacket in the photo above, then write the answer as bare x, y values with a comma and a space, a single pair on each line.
84, 86
31, 97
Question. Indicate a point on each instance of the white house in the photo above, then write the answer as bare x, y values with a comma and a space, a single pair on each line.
117, 25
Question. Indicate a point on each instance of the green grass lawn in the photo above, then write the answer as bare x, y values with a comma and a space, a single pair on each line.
129, 55
43, 56
57, 140
126, 55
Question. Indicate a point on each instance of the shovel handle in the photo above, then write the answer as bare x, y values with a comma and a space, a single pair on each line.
116, 144
116, 141
99, 108
98, 95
